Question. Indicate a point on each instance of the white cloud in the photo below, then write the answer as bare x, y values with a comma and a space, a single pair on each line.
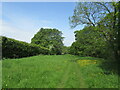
15, 33
26, 23
11, 31
68, 42
22, 28
69, 38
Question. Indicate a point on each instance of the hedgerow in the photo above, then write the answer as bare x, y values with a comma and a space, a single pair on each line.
12, 48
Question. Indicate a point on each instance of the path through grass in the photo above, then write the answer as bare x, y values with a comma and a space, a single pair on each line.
56, 71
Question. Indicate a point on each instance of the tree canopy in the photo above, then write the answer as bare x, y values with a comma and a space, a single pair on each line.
88, 43
103, 19
90, 13
49, 38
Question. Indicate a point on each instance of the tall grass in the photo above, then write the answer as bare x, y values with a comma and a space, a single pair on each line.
96, 77
56, 71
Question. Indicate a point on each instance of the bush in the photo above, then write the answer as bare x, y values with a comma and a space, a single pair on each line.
17, 49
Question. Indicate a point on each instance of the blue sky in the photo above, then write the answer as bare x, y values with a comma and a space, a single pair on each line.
21, 20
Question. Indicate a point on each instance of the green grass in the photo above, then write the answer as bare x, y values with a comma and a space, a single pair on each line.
56, 71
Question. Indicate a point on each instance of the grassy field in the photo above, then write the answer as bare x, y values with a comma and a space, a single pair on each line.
56, 71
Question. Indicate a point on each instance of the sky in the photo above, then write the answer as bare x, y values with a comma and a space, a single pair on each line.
21, 20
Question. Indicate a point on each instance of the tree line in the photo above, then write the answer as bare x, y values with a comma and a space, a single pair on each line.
45, 41
100, 36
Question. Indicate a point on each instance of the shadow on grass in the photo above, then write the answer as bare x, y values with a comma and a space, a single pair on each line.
110, 67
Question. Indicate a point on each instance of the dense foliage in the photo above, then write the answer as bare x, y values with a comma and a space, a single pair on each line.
65, 50
16, 49
49, 38
89, 42
0, 47
103, 20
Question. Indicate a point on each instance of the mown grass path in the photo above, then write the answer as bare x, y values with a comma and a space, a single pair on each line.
73, 74
80, 77
64, 77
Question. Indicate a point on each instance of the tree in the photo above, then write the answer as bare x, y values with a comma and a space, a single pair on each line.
49, 38
90, 13
118, 28
88, 43
65, 50
110, 26
100, 14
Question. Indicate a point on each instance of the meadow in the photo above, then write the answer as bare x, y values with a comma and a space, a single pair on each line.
56, 71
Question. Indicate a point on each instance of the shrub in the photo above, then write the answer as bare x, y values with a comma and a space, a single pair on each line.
17, 49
